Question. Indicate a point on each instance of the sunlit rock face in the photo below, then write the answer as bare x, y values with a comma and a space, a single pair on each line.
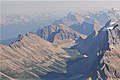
30, 56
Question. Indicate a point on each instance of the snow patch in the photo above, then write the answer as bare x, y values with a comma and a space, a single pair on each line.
111, 26
85, 56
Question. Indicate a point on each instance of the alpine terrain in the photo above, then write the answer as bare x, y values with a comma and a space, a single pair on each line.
75, 47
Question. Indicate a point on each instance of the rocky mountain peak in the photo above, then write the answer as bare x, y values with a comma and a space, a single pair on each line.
59, 33
113, 32
70, 13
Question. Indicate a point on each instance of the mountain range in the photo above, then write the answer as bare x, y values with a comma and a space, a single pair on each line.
21, 24
75, 47
102, 62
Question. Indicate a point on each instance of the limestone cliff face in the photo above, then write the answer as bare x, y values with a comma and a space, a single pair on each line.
111, 59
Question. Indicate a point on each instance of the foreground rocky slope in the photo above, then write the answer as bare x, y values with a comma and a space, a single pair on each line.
111, 59
29, 57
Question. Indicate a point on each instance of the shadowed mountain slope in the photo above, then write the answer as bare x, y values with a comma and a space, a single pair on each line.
102, 62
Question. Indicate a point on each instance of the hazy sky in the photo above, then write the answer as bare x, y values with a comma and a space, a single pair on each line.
30, 7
